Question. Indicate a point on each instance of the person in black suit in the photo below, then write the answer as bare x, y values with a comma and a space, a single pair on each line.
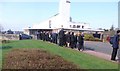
64, 39
68, 36
61, 37
53, 37
47, 36
75, 40
72, 40
40, 35
43, 36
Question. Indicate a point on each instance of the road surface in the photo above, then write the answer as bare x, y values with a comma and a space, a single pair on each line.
98, 47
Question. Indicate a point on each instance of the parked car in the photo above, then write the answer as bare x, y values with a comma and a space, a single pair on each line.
25, 36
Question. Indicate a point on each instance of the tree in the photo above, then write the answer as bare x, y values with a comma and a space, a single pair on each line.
106, 30
112, 28
10, 31
1, 28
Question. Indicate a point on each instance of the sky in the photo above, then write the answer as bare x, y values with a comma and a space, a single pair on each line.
19, 14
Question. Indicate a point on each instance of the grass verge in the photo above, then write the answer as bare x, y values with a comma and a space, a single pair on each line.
83, 60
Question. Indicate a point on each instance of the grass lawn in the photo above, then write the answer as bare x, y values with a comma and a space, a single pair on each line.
83, 60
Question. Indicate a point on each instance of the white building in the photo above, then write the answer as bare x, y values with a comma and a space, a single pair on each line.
60, 20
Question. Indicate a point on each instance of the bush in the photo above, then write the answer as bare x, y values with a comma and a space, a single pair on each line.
5, 41
90, 37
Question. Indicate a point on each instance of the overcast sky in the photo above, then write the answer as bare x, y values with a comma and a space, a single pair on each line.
19, 14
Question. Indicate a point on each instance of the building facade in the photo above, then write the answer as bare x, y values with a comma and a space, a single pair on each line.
60, 20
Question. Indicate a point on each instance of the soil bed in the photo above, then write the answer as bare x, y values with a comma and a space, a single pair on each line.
33, 58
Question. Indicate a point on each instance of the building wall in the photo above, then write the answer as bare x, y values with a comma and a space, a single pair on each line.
79, 25
60, 20
55, 21
26, 31
64, 10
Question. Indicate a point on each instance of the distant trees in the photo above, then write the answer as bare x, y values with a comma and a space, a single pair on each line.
112, 28
1, 28
10, 31
106, 30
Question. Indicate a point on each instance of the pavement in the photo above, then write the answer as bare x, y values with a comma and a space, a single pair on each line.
99, 55
102, 47
99, 49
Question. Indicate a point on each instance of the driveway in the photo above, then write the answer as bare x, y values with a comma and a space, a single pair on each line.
98, 47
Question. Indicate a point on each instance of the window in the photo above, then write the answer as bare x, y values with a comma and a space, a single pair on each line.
78, 26
74, 26
82, 27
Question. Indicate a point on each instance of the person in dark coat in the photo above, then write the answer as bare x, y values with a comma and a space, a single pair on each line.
54, 35
80, 41
47, 36
43, 36
20, 37
75, 41
64, 39
40, 35
72, 40
61, 37
115, 45
56, 38
68, 36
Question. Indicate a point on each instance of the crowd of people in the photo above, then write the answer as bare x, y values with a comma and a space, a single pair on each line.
63, 38
75, 40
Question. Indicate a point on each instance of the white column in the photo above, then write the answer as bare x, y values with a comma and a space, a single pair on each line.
64, 12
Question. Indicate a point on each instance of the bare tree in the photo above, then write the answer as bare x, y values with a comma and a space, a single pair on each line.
112, 28
1, 28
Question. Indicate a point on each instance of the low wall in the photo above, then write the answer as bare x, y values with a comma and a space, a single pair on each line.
9, 37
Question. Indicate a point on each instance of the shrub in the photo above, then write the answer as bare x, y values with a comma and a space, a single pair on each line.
5, 41
90, 37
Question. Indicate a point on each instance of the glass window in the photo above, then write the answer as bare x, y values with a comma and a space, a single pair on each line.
82, 27
78, 26
74, 26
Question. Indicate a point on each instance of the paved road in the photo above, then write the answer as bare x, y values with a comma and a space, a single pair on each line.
98, 47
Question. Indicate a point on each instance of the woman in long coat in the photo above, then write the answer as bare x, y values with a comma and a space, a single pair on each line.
80, 42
